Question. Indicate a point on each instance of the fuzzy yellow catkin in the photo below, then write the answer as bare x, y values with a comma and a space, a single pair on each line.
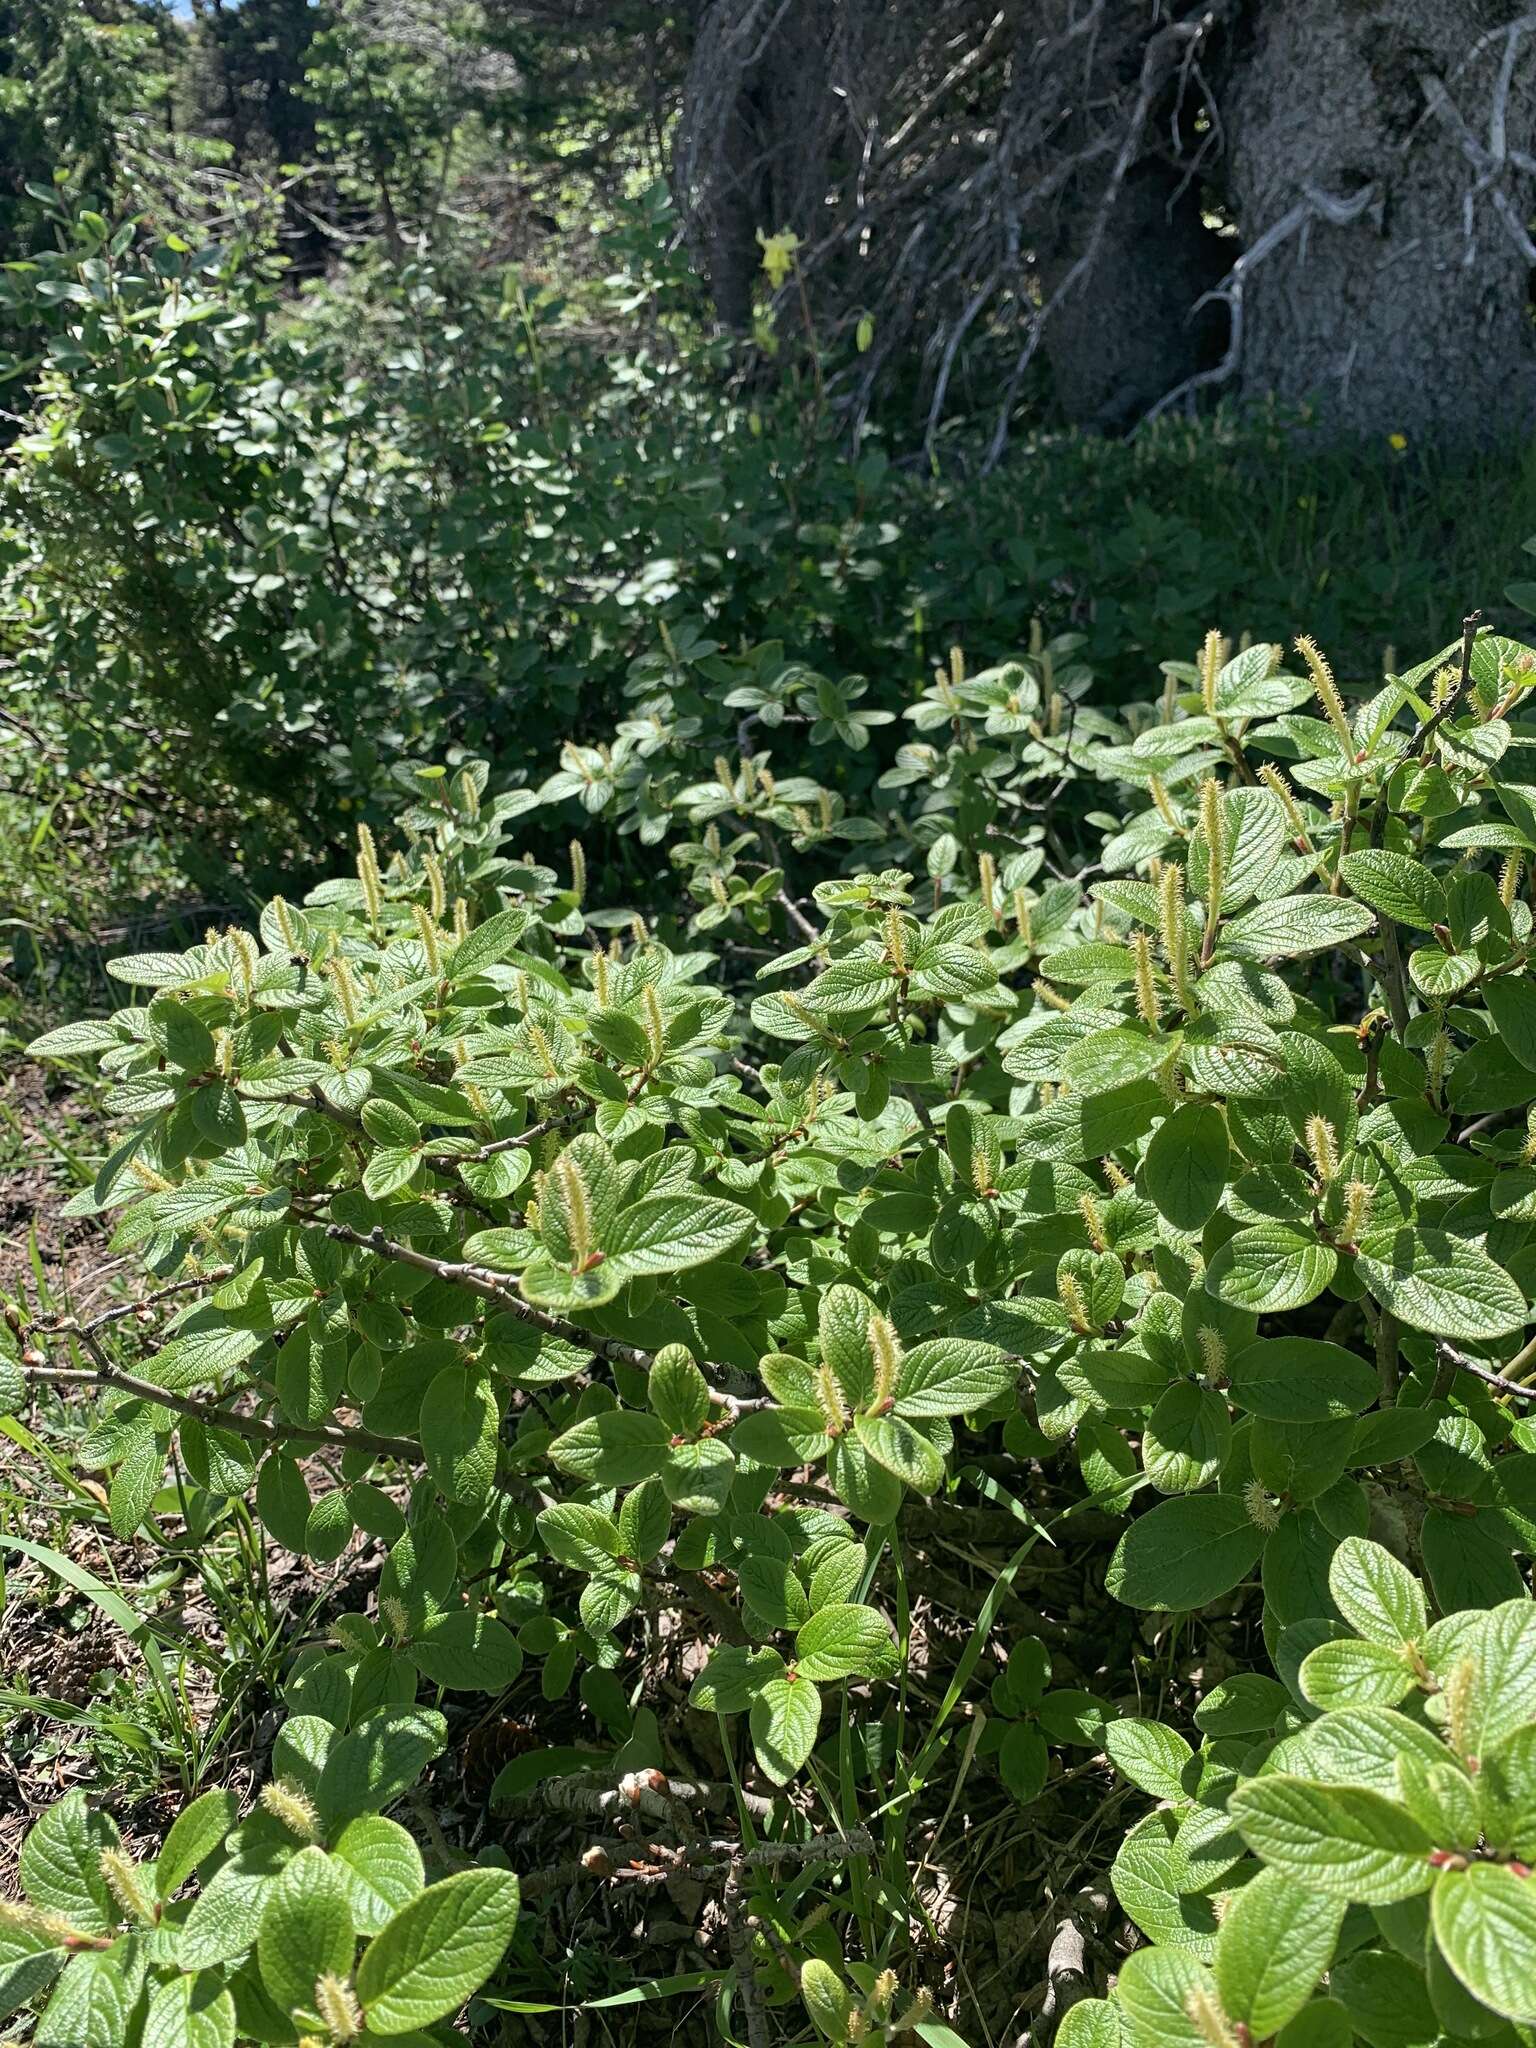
368, 875
1023, 922
719, 892
1213, 823
639, 930
1358, 1197
543, 1048
1210, 669
1093, 1221
655, 1023
121, 1876
981, 1173
600, 978
824, 809
1327, 689
1175, 933
1070, 1294
431, 939
885, 1349
432, 868
339, 968
1276, 783
1509, 879
291, 1808
724, 776
53, 1928
1258, 1507
1528, 1150
1213, 1351
246, 957
1459, 1691
1052, 998
1207, 2018
1323, 1147
956, 667
986, 880
284, 921
1146, 984
1119, 1180
895, 941
578, 872
1160, 800
567, 1176
338, 2007
829, 1400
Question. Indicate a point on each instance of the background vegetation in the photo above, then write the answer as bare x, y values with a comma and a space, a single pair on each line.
404, 401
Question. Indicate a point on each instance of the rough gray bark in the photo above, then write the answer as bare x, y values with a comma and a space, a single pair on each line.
752, 148
1370, 141
989, 179
1135, 324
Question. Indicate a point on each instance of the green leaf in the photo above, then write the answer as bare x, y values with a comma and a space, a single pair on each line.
1441, 1284
1511, 1000
1155, 1989
772, 1592
584, 1538
1300, 1379
460, 1424
1289, 926
91, 2004
1484, 1919
379, 1761
784, 1719
467, 1652
678, 1392
1150, 1755
190, 2012
952, 1376
381, 1868
1398, 887
1185, 1169
1377, 1596
844, 1640
1343, 1839
60, 1865
436, 1951
193, 1836
1185, 1553
733, 1678
897, 1446
1270, 1268
306, 1931
1187, 1437
1276, 1940
669, 1233
619, 1448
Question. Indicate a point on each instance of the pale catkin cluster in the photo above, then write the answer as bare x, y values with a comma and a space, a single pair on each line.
1327, 690
336, 2003
292, 1808
885, 1350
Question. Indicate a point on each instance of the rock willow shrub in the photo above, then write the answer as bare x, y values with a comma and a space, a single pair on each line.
1395, 1772
252, 1928
1204, 1194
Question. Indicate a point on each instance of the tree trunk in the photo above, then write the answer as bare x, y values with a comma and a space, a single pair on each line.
750, 153
1384, 281
1131, 328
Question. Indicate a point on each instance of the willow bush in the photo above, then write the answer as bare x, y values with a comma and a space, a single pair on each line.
598, 1275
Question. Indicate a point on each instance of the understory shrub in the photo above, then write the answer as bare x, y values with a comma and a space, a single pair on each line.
257, 550
265, 1948
1178, 1202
